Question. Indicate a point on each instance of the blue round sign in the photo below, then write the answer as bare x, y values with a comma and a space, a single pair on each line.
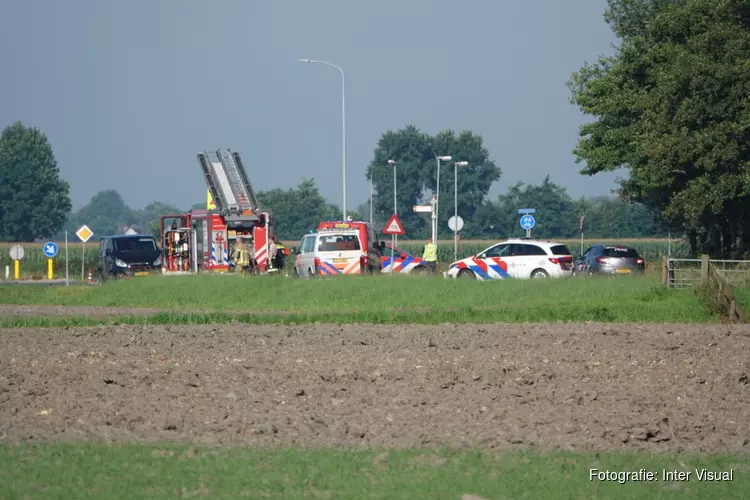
50, 249
528, 222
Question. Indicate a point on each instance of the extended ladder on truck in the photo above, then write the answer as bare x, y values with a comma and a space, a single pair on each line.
238, 213
229, 186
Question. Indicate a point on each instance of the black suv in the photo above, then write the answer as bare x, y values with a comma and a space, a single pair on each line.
128, 255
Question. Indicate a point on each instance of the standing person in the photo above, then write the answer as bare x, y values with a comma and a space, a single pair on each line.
429, 256
272, 249
241, 256
280, 254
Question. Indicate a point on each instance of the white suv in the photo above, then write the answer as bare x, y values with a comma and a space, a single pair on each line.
521, 258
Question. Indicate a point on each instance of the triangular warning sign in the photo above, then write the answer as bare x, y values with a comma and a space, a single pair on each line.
394, 226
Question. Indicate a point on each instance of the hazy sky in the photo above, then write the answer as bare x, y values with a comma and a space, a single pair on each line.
129, 91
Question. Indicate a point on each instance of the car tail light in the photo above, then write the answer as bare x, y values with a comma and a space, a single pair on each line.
363, 262
317, 263
639, 261
602, 260
561, 261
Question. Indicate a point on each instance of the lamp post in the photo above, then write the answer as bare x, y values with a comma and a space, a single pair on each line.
343, 129
455, 205
394, 238
437, 198
371, 198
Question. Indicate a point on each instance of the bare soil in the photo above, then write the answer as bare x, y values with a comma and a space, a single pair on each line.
661, 388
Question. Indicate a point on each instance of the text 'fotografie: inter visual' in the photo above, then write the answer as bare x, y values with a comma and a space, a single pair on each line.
660, 475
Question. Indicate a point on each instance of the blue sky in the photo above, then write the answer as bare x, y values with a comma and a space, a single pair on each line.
129, 92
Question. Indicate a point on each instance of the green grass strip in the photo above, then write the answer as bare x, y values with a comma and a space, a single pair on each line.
532, 314
383, 299
67, 471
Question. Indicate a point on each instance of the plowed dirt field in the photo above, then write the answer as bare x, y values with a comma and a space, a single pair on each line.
571, 386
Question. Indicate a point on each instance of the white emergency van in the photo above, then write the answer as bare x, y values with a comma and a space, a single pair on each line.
329, 253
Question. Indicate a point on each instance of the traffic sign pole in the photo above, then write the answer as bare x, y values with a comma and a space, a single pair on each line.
50, 250
67, 268
528, 223
16, 253
84, 234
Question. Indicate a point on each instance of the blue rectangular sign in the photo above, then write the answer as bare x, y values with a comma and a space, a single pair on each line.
527, 210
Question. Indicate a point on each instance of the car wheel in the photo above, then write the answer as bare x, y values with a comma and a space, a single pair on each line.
539, 273
310, 273
466, 273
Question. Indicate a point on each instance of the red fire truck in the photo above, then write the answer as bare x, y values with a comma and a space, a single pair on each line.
203, 240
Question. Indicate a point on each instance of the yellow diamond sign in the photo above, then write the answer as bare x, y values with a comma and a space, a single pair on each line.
84, 233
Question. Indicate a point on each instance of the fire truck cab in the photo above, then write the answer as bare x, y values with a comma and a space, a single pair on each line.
371, 248
205, 239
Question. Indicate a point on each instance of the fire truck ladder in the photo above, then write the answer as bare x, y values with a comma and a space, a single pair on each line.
229, 185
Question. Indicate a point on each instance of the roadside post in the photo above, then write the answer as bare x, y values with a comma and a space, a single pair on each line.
50, 251
67, 268
527, 220
429, 209
16, 253
455, 223
580, 229
393, 228
84, 234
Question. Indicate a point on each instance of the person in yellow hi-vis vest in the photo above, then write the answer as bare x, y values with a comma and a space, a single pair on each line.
429, 256
241, 256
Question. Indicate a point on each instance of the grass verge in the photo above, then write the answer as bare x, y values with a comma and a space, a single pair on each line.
62, 471
742, 295
383, 299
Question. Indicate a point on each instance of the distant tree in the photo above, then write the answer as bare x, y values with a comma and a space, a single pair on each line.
148, 218
34, 200
474, 180
416, 176
555, 214
671, 106
297, 211
411, 149
106, 214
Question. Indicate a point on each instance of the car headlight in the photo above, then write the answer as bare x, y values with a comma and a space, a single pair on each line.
120, 263
157, 262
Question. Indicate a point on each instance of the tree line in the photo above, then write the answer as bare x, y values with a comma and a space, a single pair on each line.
298, 210
670, 106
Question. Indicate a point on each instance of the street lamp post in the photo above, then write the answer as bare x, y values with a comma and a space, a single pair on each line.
437, 197
394, 238
455, 205
343, 129
371, 198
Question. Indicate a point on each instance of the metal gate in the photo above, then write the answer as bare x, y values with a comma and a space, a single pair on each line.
686, 273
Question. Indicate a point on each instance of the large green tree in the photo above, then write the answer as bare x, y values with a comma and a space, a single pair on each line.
415, 154
34, 200
555, 215
411, 149
671, 106
106, 214
297, 211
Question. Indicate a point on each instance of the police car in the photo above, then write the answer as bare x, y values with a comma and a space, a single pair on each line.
516, 258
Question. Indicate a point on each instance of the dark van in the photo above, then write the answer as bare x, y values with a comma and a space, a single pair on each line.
128, 255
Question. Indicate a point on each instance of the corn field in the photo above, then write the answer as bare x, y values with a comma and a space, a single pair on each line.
34, 264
